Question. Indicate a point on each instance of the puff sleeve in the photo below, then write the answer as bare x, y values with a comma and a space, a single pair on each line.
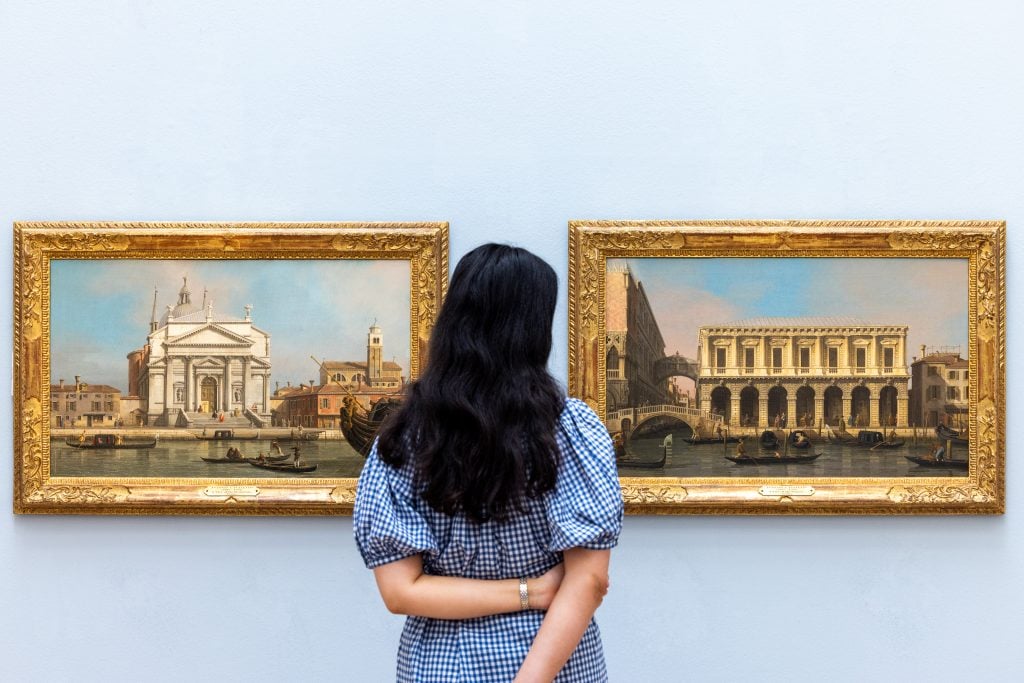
386, 524
585, 510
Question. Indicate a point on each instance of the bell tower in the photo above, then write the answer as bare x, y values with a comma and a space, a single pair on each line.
374, 355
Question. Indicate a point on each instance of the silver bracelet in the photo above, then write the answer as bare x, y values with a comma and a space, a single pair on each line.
524, 594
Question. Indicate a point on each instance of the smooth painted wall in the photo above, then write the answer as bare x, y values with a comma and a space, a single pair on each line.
508, 119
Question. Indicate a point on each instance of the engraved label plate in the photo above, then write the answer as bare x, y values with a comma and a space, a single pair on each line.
219, 491
786, 491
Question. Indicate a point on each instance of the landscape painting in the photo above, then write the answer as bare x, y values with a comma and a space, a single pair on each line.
164, 368
213, 368
736, 368
772, 367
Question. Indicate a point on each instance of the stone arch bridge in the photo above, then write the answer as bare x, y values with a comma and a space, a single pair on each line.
628, 419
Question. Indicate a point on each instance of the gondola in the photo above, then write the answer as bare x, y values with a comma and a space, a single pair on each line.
226, 435
897, 443
769, 440
308, 435
281, 467
359, 426
712, 440
796, 442
949, 434
269, 459
644, 464
843, 436
932, 462
107, 442
771, 459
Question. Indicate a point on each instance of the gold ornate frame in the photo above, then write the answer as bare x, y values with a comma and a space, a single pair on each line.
424, 245
982, 243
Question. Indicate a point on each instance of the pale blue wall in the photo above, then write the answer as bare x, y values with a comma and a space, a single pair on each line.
508, 119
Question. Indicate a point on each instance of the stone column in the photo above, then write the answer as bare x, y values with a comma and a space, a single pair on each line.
847, 407
246, 367
188, 384
819, 410
226, 392
266, 393
902, 410
791, 410
168, 387
874, 418
762, 411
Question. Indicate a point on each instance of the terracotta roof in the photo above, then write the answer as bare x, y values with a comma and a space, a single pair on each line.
89, 388
356, 365
947, 359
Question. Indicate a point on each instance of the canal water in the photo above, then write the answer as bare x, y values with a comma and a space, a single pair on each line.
334, 459
835, 460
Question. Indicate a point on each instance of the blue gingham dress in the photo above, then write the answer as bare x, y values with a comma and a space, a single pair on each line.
583, 510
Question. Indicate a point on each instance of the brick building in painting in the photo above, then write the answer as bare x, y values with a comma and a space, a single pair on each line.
84, 405
319, 405
941, 380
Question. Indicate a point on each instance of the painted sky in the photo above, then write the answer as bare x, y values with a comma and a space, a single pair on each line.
928, 295
100, 310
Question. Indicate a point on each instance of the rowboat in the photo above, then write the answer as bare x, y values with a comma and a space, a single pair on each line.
771, 459
932, 462
107, 442
644, 464
269, 459
227, 435
281, 467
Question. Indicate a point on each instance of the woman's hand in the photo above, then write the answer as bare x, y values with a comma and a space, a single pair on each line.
542, 589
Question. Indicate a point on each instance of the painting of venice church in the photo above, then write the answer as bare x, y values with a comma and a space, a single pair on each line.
198, 362
201, 366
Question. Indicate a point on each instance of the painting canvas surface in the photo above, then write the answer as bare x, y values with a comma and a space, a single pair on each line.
787, 367
194, 368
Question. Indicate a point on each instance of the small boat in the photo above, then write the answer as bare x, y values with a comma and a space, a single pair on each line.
949, 434
305, 435
932, 462
703, 441
360, 426
644, 464
107, 441
889, 443
769, 440
868, 438
269, 459
771, 459
800, 439
226, 435
281, 467
840, 436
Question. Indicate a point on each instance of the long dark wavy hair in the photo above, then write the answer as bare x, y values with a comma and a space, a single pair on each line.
480, 422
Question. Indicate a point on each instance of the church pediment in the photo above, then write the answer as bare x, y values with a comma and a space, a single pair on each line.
210, 335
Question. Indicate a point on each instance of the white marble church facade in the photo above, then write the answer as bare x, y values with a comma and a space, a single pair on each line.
197, 362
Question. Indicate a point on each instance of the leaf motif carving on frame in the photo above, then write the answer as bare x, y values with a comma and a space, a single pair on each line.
652, 495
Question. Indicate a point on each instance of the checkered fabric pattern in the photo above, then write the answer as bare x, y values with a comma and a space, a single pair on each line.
584, 510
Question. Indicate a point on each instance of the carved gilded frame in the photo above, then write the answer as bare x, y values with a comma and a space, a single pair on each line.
424, 245
982, 243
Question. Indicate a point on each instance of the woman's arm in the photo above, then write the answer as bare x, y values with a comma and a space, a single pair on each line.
583, 587
407, 590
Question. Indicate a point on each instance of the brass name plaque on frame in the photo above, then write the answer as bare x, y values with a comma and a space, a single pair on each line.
218, 491
786, 491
